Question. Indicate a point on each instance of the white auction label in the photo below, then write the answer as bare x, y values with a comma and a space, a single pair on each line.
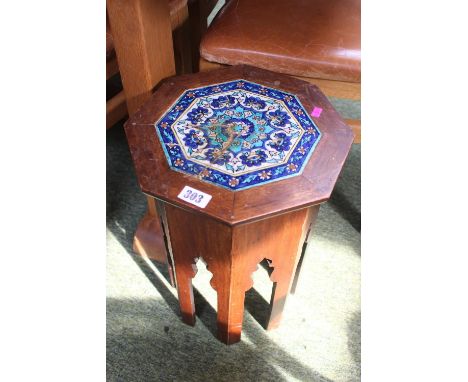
196, 197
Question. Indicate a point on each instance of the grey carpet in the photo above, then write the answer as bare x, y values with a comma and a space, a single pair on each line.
318, 340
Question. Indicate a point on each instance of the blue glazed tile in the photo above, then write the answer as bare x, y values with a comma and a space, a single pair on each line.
237, 134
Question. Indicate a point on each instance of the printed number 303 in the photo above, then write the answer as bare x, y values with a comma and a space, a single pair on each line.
193, 196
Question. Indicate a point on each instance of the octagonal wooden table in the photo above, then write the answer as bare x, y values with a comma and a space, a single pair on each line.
239, 160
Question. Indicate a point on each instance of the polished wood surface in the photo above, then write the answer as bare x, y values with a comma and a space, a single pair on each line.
143, 43
232, 254
312, 187
181, 39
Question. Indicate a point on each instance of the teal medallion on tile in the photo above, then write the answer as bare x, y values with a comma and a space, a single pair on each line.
237, 134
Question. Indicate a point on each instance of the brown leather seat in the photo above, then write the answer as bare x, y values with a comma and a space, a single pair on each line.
307, 38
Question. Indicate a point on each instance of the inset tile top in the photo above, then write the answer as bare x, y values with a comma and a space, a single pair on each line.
237, 134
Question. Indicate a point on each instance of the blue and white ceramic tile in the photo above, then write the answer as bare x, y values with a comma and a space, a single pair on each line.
238, 134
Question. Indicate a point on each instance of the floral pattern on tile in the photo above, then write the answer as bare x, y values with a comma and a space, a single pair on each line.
237, 134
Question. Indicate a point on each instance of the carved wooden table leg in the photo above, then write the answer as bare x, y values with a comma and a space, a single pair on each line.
186, 270
232, 254
285, 260
313, 218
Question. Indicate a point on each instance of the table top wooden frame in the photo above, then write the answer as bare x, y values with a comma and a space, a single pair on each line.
313, 186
